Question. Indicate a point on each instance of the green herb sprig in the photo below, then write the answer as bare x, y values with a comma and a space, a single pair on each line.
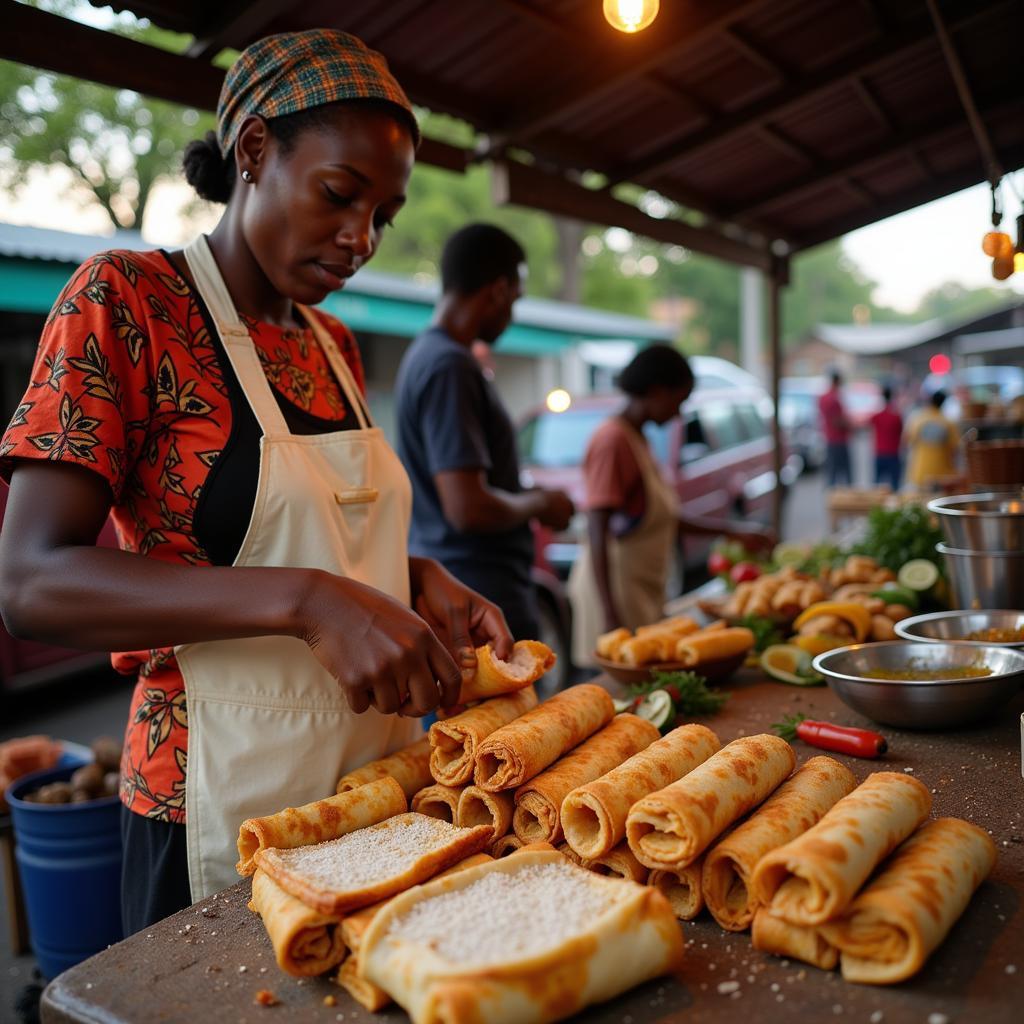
689, 692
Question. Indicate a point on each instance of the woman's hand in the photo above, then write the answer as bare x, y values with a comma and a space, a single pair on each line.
460, 617
382, 654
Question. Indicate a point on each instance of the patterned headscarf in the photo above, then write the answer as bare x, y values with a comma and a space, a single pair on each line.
293, 71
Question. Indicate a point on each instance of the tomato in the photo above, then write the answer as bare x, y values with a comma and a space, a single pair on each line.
744, 572
719, 563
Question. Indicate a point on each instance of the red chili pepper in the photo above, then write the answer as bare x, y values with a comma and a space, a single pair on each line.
840, 738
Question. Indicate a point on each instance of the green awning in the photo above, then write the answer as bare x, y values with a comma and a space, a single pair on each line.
32, 286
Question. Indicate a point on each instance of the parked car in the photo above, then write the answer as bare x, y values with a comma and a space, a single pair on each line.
999, 384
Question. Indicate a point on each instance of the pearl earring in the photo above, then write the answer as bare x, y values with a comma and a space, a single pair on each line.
247, 177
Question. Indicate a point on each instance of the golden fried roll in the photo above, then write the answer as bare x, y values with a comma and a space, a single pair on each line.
453, 742
505, 845
800, 802
529, 661
619, 862
681, 887
646, 649
608, 644
714, 646
901, 916
567, 851
537, 816
478, 807
770, 934
363, 991
594, 816
438, 801
321, 820
306, 942
673, 827
815, 876
680, 625
522, 749
410, 767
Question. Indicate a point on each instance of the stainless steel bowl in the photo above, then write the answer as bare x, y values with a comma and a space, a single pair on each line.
922, 704
981, 522
985, 579
939, 627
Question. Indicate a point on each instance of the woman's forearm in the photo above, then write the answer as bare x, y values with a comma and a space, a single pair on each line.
597, 535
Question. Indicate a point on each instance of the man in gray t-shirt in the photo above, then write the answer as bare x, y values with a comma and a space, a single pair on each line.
457, 440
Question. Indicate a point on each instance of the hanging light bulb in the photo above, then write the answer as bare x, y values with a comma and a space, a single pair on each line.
1002, 267
630, 15
997, 244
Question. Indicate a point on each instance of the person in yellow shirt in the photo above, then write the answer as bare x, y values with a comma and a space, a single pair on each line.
932, 441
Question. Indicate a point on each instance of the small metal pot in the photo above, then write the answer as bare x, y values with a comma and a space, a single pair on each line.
982, 522
985, 579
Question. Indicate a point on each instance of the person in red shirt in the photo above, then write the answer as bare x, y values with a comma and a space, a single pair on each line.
887, 424
836, 427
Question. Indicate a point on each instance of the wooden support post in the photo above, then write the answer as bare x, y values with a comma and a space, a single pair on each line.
777, 277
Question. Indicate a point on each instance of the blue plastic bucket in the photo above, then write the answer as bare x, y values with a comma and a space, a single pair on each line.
69, 859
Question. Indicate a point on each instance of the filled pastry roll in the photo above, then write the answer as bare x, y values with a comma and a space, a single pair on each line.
438, 801
621, 863
681, 887
608, 644
716, 645
409, 767
478, 807
770, 934
529, 661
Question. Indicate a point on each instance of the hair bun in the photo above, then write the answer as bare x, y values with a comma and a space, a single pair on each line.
207, 171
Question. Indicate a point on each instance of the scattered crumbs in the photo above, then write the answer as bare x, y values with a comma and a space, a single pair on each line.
877, 1017
242, 968
780, 998
213, 969
726, 987
150, 935
736, 995
800, 975
775, 986
213, 933
837, 1008
88, 984
785, 963
751, 979
711, 967
908, 769
937, 1018
263, 970
935, 791
330, 1000
1010, 968
264, 997
188, 927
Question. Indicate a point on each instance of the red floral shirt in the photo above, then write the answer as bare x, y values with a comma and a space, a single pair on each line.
128, 384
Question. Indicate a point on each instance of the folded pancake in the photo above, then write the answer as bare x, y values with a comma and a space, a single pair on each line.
371, 864
517, 752
364, 992
673, 827
681, 887
608, 644
410, 767
899, 918
619, 862
539, 802
306, 942
528, 938
529, 661
815, 876
594, 816
454, 741
800, 802
321, 820
505, 845
478, 807
438, 801
714, 645
770, 934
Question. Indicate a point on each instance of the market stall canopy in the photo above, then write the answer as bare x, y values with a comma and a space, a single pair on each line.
775, 124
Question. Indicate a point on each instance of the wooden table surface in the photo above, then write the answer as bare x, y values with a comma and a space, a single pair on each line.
207, 962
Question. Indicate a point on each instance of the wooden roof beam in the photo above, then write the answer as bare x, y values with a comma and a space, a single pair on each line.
876, 108
742, 43
844, 70
519, 184
243, 20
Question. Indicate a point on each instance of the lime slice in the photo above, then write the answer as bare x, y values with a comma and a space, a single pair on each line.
623, 705
918, 574
898, 595
788, 663
657, 708
789, 553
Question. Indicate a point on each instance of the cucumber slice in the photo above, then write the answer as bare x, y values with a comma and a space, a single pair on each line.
657, 708
623, 705
918, 575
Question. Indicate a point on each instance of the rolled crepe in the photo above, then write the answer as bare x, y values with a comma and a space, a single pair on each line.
539, 802
770, 934
800, 802
566, 851
594, 816
681, 625
908, 908
647, 649
319, 821
529, 661
453, 742
306, 942
619, 862
715, 645
438, 801
478, 807
815, 876
522, 749
608, 644
505, 845
673, 827
681, 887
362, 990
410, 767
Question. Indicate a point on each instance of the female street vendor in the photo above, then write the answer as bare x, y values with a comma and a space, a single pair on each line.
262, 592
633, 514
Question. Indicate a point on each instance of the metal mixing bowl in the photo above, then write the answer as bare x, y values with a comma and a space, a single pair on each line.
922, 704
981, 522
954, 626
985, 579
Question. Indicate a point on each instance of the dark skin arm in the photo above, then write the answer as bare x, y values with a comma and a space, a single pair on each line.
469, 503
55, 586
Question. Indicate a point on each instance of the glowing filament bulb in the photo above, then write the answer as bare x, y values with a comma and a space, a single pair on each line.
630, 15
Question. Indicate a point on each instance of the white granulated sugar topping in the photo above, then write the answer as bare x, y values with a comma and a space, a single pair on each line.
372, 854
507, 916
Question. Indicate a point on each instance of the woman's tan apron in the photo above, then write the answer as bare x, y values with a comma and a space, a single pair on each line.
269, 727
638, 563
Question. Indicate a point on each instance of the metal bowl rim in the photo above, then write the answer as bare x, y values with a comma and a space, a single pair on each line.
944, 549
937, 506
819, 664
903, 627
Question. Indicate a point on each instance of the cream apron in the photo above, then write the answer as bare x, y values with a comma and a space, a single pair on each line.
638, 563
269, 727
